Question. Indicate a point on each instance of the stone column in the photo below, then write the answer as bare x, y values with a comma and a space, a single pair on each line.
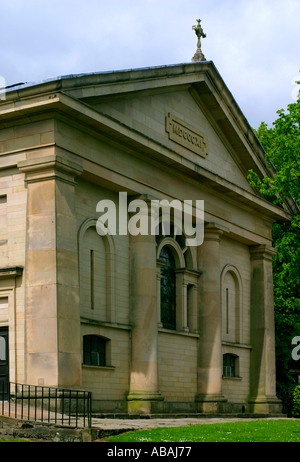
144, 397
262, 367
193, 321
52, 314
181, 304
210, 366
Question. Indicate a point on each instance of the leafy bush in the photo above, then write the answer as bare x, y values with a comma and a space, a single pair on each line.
296, 402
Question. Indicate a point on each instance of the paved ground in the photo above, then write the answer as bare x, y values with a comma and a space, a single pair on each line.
138, 424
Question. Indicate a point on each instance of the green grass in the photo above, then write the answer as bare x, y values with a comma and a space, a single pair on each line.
248, 431
14, 441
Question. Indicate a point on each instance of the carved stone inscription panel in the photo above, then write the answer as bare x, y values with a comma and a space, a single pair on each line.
185, 135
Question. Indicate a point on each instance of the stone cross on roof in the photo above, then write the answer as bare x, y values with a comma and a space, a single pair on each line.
199, 56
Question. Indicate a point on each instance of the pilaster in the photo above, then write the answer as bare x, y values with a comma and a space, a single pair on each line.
52, 317
144, 395
263, 374
209, 394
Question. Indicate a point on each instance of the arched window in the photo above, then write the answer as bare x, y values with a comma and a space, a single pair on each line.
168, 289
177, 285
94, 350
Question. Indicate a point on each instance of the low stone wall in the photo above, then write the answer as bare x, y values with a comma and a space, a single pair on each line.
17, 429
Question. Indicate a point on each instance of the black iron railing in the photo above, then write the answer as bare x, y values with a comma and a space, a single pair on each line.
62, 406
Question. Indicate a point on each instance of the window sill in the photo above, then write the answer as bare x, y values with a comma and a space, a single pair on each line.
88, 366
232, 378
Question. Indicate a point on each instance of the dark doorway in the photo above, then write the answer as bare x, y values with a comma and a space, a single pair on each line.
4, 363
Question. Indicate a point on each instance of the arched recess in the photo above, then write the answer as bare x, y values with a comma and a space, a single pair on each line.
177, 239
176, 250
108, 270
232, 304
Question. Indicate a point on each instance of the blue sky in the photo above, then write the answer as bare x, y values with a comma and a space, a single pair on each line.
255, 44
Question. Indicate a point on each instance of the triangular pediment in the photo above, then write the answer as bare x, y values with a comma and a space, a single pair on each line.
174, 119
181, 116
196, 100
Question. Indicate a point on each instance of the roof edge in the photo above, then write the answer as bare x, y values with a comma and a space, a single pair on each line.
105, 76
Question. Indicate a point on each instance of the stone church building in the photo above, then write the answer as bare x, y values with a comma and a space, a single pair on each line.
145, 322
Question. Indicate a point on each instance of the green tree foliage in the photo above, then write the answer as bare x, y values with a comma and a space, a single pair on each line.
296, 402
282, 145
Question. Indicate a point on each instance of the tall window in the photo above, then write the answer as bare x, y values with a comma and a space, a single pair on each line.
94, 350
168, 289
2, 349
4, 316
